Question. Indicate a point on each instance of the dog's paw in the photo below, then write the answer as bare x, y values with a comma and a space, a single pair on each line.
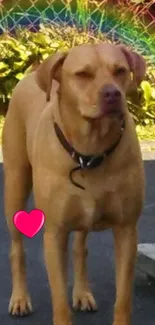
83, 300
20, 305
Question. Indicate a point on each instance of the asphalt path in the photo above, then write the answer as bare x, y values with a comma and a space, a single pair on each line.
101, 271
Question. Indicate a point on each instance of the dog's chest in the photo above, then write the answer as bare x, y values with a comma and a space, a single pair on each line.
99, 202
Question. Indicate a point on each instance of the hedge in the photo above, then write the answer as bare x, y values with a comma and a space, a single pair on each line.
19, 52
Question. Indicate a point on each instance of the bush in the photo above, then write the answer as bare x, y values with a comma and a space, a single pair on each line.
18, 54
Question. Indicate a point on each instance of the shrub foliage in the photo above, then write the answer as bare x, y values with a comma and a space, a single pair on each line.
18, 53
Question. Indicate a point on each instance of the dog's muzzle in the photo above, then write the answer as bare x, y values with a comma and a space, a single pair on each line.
110, 100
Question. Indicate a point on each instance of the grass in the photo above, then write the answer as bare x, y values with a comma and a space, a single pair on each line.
146, 133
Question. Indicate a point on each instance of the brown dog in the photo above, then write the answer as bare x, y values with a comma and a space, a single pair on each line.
68, 131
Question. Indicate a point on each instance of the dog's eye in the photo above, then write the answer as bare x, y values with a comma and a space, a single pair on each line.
84, 74
120, 71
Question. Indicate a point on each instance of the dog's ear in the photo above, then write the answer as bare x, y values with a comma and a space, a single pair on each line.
48, 70
137, 66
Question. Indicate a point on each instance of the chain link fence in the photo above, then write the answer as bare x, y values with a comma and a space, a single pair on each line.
129, 21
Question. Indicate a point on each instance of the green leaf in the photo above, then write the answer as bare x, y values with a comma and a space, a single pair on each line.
45, 56
23, 56
151, 115
42, 40
22, 47
55, 45
3, 65
19, 76
145, 85
5, 73
10, 43
144, 107
146, 121
18, 65
153, 93
153, 72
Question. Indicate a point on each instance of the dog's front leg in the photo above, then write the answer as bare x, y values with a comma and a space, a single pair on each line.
55, 250
125, 250
82, 296
52, 199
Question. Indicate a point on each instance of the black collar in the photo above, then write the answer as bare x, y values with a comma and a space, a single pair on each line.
84, 161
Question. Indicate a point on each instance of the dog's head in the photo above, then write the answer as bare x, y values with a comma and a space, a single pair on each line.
94, 79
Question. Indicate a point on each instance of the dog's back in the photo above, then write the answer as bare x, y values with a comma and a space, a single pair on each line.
26, 105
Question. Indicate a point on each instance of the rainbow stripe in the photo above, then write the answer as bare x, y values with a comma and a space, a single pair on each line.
122, 26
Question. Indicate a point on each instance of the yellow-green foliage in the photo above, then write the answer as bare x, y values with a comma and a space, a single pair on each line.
18, 53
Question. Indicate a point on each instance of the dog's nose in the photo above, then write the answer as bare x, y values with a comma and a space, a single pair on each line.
110, 94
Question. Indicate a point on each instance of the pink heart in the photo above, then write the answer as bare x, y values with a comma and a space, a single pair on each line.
29, 224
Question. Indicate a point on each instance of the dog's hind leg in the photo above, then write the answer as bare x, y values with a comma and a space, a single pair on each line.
82, 296
17, 185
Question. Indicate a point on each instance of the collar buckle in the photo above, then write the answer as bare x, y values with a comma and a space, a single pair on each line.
81, 162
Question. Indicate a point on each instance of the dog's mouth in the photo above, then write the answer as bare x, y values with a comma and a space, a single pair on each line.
114, 113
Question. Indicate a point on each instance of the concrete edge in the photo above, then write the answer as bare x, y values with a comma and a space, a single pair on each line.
147, 145
146, 259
